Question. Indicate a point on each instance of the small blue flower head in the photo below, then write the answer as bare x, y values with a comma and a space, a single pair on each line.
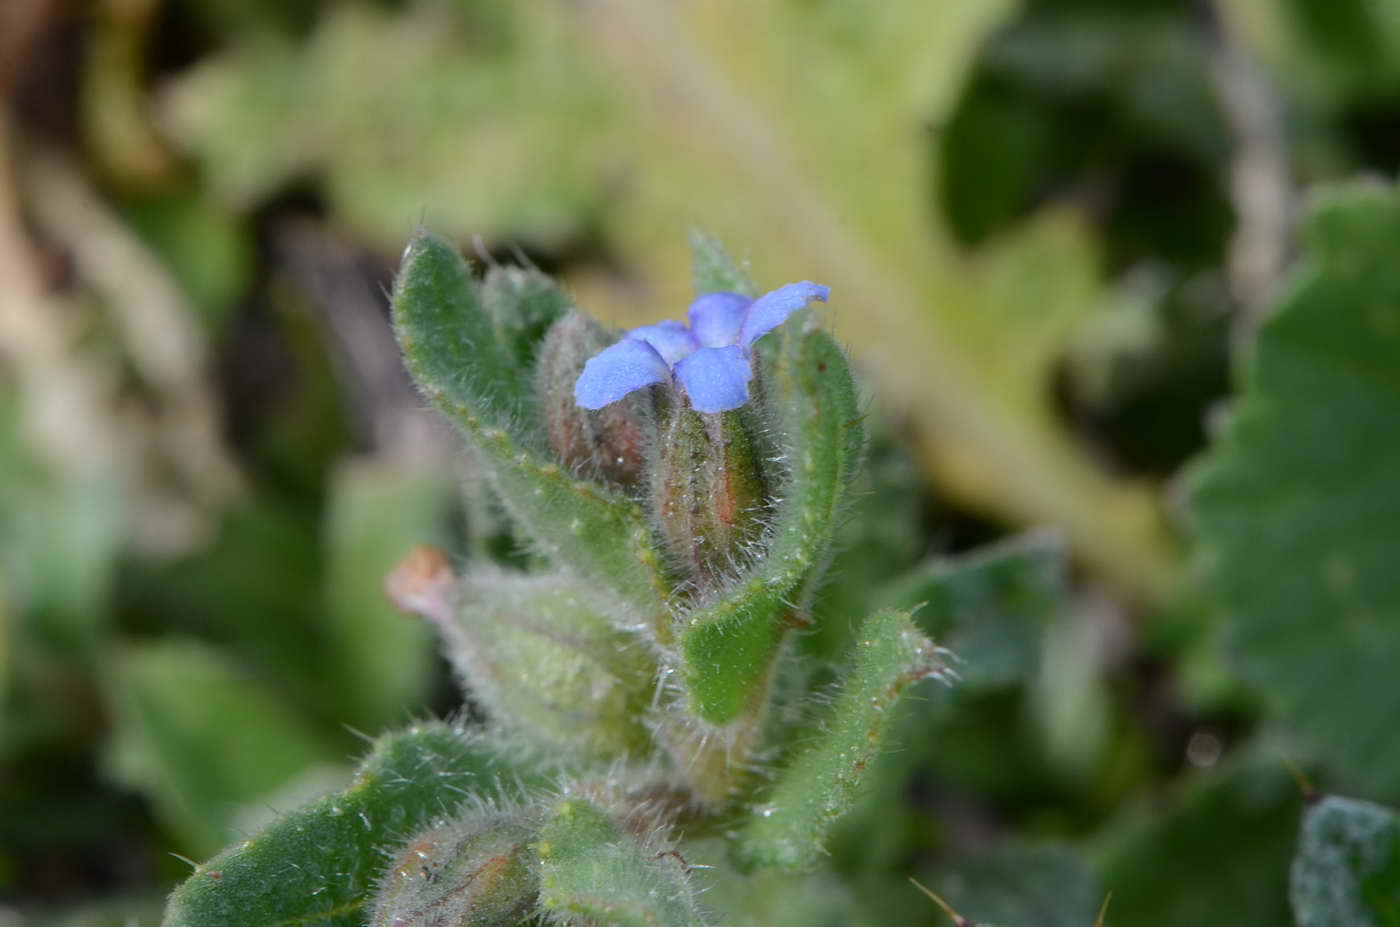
710, 358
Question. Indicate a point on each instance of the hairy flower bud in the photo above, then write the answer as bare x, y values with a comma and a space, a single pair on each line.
708, 490
479, 871
607, 443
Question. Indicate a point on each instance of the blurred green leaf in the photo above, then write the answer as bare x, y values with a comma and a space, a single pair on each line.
1215, 856
200, 739
470, 130
207, 250
1347, 870
991, 607
774, 899
379, 660
1296, 506
1036, 886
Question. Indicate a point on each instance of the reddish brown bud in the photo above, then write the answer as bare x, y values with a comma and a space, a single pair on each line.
708, 491
608, 443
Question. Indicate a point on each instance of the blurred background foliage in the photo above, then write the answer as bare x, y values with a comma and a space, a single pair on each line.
1053, 229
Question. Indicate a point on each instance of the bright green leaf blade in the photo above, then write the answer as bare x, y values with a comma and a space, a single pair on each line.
790, 825
451, 349
381, 661
589, 867
317, 866
1297, 506
1347, 870
201, 739
730, 644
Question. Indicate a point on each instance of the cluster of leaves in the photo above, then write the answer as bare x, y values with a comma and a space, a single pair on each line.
654, 689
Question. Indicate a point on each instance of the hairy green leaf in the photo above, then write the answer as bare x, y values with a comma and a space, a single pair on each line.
1347, 869
729, 644
452, 350
522, 303
317, 866
791, 823
592, 872
545, 656
1297, 506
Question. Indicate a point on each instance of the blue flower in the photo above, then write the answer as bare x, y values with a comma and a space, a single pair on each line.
710, 358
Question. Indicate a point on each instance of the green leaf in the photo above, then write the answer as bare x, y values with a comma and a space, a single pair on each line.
450, 342
1214, 856
506, 119
729, 645
317, 866
776, 899
451, 348
990, 607
380, 661
200, 739
590, 867
714, 270
790, 824
1297, 508
544, 655
1347, 869
1044, 886
522, 303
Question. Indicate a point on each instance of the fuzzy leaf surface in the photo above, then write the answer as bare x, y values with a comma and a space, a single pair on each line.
729, 644
317, 866
1347, 870
791, 823
590, 868
1297, 506
714, 270
452, 351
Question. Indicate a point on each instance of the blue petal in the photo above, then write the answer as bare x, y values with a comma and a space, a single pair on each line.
671, 339
612, 373
717, 317
716, 379
772, 309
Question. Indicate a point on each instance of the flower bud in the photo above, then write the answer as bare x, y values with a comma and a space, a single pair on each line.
608, 443
479, 871
541, 655
708, 490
